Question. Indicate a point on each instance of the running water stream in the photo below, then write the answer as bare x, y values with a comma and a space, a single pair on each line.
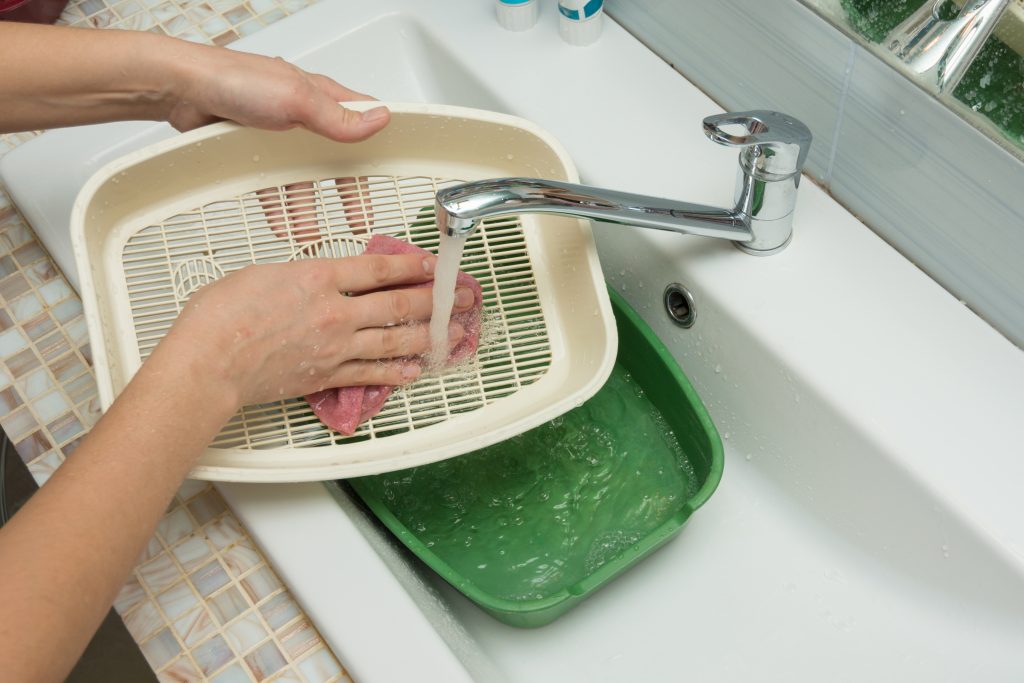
449, 255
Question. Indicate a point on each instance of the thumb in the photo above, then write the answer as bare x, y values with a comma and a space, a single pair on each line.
334, 121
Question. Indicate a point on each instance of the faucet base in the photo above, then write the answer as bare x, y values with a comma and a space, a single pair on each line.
747, 248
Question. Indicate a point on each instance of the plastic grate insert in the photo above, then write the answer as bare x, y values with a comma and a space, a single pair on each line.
164, 264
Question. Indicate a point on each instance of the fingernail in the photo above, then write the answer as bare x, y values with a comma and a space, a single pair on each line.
463, 297
428, 264
455, 332
410, 372
375, 114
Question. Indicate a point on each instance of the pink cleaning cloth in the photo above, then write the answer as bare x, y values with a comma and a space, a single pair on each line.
345, 408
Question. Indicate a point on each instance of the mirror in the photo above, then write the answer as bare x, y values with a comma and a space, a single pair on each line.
990, 94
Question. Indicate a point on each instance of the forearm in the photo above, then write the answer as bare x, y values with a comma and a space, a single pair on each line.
58, 76
66, 554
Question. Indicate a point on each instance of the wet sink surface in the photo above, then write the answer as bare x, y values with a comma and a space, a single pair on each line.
867, 525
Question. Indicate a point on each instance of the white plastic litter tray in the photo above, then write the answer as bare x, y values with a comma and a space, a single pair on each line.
152, 227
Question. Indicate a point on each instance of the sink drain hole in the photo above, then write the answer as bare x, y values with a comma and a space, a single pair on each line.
679, 305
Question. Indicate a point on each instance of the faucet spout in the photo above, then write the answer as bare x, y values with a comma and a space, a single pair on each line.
773, 148
461, 208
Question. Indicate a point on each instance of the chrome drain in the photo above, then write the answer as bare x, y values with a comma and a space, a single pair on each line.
679, 305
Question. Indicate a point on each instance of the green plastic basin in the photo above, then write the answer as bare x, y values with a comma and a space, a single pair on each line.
532, 526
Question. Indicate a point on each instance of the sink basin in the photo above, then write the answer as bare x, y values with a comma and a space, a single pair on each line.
868, 525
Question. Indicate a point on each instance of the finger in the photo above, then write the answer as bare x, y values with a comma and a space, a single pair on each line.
353, 193
367, 272
399, 341
397, 306
295, 216
372, 372
300, 211
273, 211
328, 118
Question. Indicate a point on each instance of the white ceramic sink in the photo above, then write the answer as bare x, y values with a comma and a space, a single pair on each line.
869, 524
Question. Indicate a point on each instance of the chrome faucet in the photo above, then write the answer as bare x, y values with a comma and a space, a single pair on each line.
773, 149
938, 50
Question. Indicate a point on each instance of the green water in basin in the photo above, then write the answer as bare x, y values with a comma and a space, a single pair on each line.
534, 515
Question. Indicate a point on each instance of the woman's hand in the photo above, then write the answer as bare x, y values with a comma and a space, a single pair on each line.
263, 92
280, 330
133, 75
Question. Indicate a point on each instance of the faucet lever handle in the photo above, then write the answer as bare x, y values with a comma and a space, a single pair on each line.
774, 144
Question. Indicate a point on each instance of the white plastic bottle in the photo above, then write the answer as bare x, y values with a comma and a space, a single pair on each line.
579, 21
517, 15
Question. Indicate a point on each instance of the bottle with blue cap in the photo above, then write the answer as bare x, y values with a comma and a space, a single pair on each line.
516, 15
579, 21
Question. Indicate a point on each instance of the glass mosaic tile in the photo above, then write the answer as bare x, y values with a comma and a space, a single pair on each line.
7, 266
175, 526
35, 383
320, 666
260, 583
42, 468
280, 610
64, 428
224, 532
159, 573
265, 661
14, 286
161, 648
246, 632
53, 346
33, 446
129, 596
42, 272
12, 341
39, 326
240, 558
213, 654
67, 310
144, 620
209, 578
51, 406
228, 604
23, 362
19, 423
298, 638
193, 553
193, 628
178, 600
206, 506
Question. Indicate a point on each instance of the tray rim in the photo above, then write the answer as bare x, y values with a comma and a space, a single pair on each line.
405, 452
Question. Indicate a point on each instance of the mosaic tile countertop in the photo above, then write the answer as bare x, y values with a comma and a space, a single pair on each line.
203, 603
